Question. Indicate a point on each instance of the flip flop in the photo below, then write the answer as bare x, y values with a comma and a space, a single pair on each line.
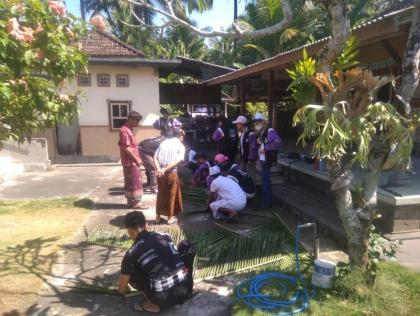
138, 307
175, 221
140, 206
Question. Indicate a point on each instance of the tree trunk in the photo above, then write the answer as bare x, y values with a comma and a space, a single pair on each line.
410, 64
355, 229
340, 27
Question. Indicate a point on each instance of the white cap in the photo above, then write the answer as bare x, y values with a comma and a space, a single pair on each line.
214, 170
241, 119
259, 117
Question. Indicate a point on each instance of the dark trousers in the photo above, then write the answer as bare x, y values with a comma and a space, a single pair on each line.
266, 183
149, 165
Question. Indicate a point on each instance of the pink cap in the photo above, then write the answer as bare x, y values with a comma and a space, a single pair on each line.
220, 158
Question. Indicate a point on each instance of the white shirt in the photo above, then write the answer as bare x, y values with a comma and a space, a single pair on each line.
170, 151
227, 189
191, 155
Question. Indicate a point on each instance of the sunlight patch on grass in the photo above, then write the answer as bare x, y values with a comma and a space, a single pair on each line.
397, 292
31, 234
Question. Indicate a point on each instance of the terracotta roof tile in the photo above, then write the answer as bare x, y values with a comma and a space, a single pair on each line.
98, 43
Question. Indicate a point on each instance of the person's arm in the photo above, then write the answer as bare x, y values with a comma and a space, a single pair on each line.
132, 156
124, 279
123, 284
218, 134
253, 149
274, 141
124, 144
156, 161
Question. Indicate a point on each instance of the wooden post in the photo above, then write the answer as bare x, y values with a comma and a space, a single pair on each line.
243, 97
272, 115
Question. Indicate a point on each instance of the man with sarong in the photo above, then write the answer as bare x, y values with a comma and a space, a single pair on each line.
169, 155
130, 161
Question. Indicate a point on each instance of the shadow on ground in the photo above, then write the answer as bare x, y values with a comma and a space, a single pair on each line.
82, 281
92, 205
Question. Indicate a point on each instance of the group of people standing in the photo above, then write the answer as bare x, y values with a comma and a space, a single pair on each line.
256, 142
154, 264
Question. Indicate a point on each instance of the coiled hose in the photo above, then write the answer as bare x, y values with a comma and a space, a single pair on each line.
257, 300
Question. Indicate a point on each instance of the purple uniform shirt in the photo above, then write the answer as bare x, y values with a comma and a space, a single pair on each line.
274, 143
253, 147
218, 134
274, 140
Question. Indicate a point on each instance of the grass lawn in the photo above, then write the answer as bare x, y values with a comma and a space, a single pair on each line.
397, 292
31, 233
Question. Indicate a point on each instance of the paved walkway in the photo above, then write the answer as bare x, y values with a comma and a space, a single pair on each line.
81, 263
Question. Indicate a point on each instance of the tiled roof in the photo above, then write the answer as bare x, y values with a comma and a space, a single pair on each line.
98, 43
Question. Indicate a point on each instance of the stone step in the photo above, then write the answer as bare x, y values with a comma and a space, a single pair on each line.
311, 208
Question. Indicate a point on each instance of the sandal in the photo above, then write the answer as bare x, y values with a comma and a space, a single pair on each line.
139, 206
139, 307
172, 221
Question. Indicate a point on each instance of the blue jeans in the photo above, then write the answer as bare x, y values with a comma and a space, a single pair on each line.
266, 183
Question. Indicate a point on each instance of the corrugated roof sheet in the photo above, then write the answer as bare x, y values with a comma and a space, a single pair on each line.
261, 63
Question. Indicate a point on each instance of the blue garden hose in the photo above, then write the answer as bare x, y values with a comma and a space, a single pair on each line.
257, 300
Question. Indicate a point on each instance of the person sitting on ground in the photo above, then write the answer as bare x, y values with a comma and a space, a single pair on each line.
200, 175
191, 157
243, 179
222, 162
156, 267
226, 196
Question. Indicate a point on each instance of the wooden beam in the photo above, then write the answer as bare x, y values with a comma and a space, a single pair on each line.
392, 52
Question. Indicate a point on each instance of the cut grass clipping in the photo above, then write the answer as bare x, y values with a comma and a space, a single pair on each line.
219, 251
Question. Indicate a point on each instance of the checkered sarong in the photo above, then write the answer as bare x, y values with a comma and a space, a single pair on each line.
166, 282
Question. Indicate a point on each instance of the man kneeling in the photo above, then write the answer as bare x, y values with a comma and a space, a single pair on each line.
156, 267
227, 198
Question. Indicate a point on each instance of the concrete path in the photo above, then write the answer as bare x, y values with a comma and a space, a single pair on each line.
79, 263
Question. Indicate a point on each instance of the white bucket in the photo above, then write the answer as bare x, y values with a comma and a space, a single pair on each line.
323, 273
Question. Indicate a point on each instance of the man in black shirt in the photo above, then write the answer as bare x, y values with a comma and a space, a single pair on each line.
155, 266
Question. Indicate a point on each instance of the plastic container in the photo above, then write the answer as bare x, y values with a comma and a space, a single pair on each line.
323, 273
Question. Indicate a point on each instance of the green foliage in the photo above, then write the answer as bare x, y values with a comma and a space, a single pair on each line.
396, 292
347, 58
256, 107
32, 70
338, 134
302, 89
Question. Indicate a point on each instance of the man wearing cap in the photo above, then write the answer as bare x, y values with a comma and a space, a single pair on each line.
248, 158
268, 142
130, 161
227, 198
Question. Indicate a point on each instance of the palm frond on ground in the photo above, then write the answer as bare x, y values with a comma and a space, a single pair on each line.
220, 251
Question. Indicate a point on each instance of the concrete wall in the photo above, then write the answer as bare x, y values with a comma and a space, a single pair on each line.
96, 136
16, 158
101, 141
143, 92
